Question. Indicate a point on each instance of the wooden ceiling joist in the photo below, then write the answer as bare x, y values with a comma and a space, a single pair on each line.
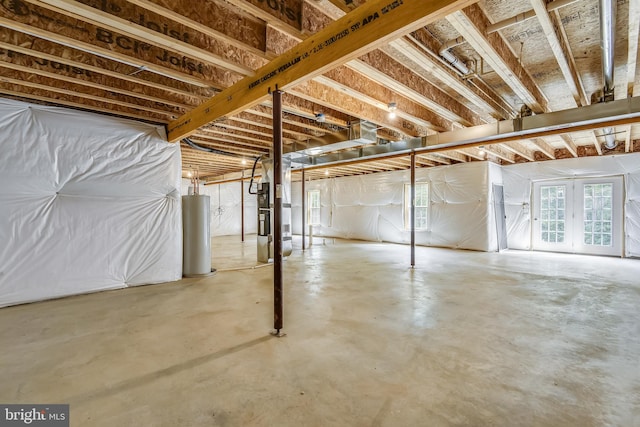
544, 147
212, 19
472, 23
71, 32
420, 48
338, 43
54, 98
215, 53
561, 51
61, 87
401, 79
92, 66
31, 67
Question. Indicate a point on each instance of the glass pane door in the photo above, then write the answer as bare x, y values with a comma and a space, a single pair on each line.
552, 213
599, 220
579, 215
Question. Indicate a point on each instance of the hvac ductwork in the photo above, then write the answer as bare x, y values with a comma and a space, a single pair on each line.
453, 60
358, 134
607, 44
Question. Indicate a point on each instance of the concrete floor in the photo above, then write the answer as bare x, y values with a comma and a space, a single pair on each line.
465, 339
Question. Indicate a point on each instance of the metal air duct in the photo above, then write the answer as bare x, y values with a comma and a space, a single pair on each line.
607, 44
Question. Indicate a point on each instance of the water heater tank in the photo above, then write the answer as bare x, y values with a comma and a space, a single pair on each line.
196, 236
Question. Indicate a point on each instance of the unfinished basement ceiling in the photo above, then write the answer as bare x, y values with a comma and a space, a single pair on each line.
155, 60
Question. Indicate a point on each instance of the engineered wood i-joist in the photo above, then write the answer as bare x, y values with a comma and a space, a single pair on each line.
472, 23
371, 25
119, 16
90, 38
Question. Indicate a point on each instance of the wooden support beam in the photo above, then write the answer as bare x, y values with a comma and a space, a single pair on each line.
519, 149
595, 138
627, 139
345, 6
570, 57
233, 140
472, 24
455, 155
79, 77
569, 144
49, 55
436, 158
62, 87
129, 27
473, 153
314, 91
632, 48
76, 101
380, 67
544, 147
288, 27
371, 25
212, 19
498, 151
422, 44
560, 52
369, 92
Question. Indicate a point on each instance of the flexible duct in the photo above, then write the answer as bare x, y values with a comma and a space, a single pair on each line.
607, 44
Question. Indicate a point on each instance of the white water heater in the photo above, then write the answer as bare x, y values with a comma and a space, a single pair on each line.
196, 236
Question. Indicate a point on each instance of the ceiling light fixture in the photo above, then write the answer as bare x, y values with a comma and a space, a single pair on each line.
320, 118
244, 161
481, 150
392, 110
326, 171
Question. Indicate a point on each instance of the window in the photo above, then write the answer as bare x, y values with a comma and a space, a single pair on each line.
313, 207
552, 210
597, 222
422, 206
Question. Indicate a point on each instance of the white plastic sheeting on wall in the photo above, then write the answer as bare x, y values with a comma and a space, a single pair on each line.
370, 207
226, 207
87, 203
518, 181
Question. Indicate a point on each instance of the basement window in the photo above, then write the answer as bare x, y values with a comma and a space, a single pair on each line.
422, 206
313, 207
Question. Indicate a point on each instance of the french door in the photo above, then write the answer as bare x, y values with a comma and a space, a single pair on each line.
579, 215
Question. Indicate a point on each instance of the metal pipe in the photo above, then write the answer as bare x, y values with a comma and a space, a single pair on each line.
413, 209
607, 44
304, 211
607, 41
242, 206
450, 57
277, 211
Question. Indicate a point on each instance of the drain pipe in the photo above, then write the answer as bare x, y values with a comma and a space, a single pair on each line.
451, 58
607, 44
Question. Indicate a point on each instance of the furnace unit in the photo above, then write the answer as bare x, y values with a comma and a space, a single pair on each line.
266, 193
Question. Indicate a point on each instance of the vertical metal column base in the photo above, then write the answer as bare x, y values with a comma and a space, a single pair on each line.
278, 333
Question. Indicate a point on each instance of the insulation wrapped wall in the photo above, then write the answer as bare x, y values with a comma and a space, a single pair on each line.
518, 180
226, 207
87, 203
370, 207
